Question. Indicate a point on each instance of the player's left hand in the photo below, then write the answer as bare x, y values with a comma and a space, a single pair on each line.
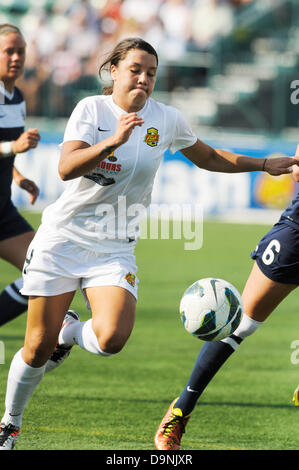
281, 165
31, 188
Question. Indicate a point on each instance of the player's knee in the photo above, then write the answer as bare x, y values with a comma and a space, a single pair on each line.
37, 350
112, 343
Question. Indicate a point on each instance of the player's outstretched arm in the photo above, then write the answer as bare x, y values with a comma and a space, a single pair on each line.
208, 158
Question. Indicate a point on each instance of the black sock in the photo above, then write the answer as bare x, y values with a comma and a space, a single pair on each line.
211, 357
12, 302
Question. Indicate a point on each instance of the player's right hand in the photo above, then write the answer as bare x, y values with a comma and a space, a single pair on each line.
29, 139
126, 124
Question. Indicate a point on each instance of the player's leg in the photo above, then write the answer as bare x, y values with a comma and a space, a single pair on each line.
113, 315
261, 296
45, 316
13, 250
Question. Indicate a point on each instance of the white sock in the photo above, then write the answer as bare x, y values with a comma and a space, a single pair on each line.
21, 383
81, 333
247, 326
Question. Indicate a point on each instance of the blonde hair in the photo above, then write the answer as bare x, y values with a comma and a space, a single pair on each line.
7, 28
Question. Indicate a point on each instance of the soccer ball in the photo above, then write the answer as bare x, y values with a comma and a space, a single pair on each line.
211, 309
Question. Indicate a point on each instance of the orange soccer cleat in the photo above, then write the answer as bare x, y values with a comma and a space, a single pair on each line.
169, 433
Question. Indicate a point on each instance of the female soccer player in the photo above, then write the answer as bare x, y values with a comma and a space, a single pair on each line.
15, 233
275, 273
113, 145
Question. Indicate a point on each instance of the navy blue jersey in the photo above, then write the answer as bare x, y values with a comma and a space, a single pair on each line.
12, 122
291, 214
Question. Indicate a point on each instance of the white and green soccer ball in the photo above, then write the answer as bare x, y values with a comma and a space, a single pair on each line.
211, 309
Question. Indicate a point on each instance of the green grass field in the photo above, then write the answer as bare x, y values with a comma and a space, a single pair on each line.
117, 403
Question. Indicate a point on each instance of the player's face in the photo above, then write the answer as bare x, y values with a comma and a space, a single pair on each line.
12, 57
134, 79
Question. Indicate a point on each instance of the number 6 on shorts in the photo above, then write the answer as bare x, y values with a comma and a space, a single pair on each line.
269, 254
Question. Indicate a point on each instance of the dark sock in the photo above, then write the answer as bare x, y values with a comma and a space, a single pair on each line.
211, 357
12, 302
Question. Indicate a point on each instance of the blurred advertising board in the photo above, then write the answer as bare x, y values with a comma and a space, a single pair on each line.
178, 181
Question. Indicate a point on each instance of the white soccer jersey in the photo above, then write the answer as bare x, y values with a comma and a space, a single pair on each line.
98, 210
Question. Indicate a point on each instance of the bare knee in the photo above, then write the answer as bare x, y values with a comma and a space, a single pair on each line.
37, 350
112, 343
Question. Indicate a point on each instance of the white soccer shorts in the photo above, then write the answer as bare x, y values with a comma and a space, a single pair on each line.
55, 265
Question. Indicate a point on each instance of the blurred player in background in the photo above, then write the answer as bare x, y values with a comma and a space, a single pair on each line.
15, 232
113, 145
274, 275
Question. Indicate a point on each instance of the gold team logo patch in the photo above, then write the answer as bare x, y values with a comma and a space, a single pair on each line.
130, 278
111, 157
152, 137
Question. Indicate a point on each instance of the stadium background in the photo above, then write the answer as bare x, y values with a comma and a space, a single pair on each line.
228, 65
231, 67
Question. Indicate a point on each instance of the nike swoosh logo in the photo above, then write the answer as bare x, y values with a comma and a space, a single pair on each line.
103, 130
191, 390
213, 282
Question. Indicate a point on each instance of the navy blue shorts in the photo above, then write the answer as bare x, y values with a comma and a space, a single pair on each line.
277, 254
12, 223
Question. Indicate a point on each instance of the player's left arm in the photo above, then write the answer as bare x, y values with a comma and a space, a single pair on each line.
26, 184
208, 158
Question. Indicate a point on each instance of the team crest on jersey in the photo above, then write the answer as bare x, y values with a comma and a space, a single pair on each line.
152, 137
111, 157
130, 278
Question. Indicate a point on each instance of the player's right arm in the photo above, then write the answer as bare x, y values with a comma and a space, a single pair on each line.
78, 157
27, 140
